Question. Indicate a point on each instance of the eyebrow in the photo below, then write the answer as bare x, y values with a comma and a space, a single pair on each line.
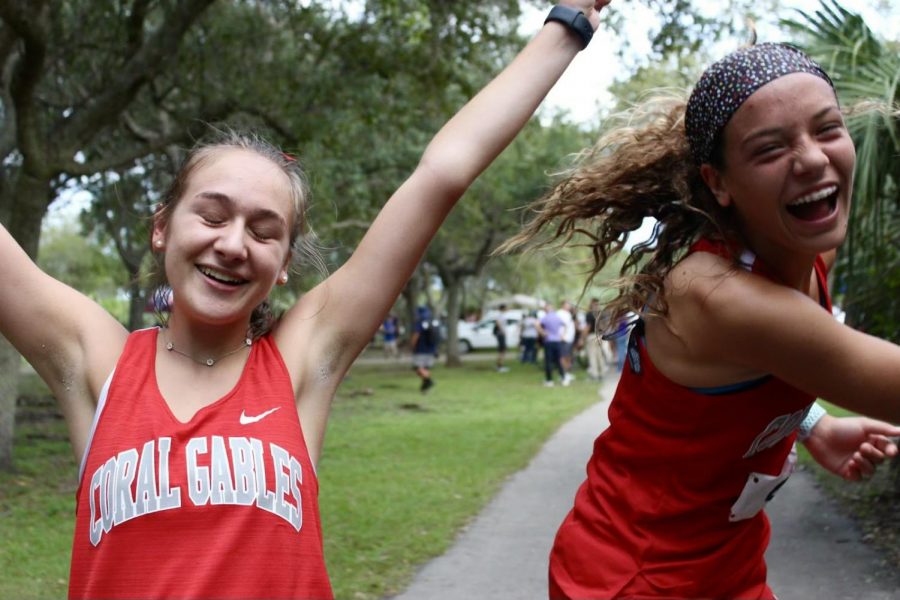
775, 130
258, 213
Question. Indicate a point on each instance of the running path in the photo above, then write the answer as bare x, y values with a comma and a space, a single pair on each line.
815, 552
503, 553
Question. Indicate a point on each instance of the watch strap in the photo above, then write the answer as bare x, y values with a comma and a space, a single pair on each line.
575, 20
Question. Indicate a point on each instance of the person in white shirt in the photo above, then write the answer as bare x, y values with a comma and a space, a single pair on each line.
568, 340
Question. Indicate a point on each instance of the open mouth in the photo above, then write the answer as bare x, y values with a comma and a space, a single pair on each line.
816, 206
220, 277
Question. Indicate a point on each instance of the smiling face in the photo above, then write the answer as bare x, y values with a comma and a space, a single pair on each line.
788, 169
227, 238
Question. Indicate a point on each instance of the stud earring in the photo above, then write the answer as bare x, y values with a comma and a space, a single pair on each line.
283, 279
158, 243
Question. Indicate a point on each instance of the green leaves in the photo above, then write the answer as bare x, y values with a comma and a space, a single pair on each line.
866, 74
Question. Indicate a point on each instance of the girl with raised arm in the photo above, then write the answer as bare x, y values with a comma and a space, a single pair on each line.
750, 181
199, 439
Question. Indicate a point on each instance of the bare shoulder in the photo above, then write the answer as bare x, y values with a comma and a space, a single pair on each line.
713, 303
698, 289
686, 343
696, 276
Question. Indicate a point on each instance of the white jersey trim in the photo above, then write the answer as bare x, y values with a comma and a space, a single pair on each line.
101, 402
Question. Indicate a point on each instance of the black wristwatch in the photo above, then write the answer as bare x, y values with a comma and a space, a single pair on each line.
575, 20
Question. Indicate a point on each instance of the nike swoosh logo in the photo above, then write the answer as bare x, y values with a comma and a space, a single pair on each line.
246, 419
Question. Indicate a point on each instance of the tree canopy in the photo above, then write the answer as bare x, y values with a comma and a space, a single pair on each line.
105, 96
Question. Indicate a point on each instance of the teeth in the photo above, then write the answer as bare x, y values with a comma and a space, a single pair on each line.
815, 196
219, 275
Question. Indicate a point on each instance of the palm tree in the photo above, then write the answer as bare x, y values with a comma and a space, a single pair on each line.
865, 70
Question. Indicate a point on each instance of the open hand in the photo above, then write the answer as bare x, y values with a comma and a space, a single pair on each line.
852, 447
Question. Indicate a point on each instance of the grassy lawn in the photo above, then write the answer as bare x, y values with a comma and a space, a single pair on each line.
400, 474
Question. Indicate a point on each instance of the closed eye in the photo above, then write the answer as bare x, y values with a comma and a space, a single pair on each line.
831, 128
266, 230
766, 151
212, 218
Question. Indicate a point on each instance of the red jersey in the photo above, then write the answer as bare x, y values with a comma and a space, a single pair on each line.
223, 506
672, 505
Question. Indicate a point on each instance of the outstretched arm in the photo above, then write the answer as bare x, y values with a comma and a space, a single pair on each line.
852, 447
317, 340
762, 327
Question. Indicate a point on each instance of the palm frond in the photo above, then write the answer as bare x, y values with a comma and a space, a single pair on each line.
864, 69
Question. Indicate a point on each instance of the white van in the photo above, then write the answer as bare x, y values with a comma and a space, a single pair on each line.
480, 335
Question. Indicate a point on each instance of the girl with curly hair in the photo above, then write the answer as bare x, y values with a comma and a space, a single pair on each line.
750, 183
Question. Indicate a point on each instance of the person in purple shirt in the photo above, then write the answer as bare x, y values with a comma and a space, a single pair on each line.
551, 328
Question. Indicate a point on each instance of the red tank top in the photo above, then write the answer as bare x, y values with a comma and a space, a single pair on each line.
224, 506
672, 505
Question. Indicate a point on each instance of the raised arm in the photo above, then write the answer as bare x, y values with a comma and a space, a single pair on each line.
370, 281
71, 341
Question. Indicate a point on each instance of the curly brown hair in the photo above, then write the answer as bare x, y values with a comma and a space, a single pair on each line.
639, 168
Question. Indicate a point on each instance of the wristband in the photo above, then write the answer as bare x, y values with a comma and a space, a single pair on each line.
813, 416
575, 20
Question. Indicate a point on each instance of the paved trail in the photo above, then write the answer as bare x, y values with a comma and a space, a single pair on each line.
815, 552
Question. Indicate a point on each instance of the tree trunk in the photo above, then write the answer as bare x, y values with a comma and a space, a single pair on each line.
453, 287
410, 294
136, 303
9, 384
27, 206
31, 196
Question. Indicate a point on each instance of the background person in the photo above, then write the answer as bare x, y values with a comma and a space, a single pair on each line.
528, 337
567, 342
424, 345
551, 328
593, 344
500, 335
390, 331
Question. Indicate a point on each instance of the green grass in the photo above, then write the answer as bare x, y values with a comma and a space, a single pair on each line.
398, 482
37, 502
400, 474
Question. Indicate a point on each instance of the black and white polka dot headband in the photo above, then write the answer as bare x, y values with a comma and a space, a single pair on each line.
727, 83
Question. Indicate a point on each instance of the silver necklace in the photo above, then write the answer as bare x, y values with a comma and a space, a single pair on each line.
209, 361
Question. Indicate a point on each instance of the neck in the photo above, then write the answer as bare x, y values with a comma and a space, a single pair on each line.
795, 274
202, 340
791, 269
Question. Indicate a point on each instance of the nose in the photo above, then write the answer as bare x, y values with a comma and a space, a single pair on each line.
230, 242
810, 158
